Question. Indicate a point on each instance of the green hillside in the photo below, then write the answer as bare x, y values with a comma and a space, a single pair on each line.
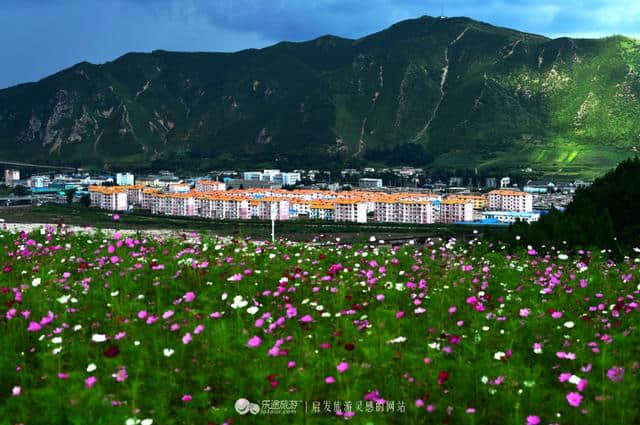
467, 94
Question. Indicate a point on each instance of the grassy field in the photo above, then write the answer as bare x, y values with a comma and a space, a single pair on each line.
101, 329
300, 230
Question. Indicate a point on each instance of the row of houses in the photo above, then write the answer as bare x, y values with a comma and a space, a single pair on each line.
209, 199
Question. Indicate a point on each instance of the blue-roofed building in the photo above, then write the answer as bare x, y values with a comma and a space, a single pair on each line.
509, 217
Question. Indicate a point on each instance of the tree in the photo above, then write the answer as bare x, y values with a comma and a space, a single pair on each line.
85, 200
70, 193
20, 190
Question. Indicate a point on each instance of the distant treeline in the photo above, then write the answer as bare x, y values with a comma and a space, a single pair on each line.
604, 215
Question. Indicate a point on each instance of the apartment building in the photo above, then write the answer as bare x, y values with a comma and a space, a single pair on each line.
510, 200
350, 210
175, 204
209, 186
108, 198
452, 211
124, 179
479, 202
322, 210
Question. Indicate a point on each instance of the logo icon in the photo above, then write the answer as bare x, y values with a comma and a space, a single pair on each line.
244, 406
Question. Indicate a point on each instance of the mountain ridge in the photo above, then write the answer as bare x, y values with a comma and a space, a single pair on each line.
454, 93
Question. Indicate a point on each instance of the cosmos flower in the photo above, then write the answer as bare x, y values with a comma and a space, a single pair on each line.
574, 399
342, 367
254, 342
615, 374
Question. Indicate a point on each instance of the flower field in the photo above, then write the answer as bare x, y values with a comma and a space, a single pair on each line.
100, 328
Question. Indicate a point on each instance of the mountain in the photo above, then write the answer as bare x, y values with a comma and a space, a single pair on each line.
450, 93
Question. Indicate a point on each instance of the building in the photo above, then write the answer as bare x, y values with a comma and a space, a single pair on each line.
178, 188
286, 179
322, 210
350, 210
453, 211
252, 175
505, 182
209, 186
39, 182
11, 176
455, 181
511, 216
368, 183
268, 175
250, 184
176, 204
479, 202
108, 198
510, 200
404, 211
124, 179
490, 182
539, 186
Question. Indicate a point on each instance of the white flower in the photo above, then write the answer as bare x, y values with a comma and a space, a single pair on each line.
76, 328
36, 282
168, 352
569, 324
224, 296
574, 379
136, 343
252, 310
239, 302
115, 293
146, 421
57, 340
63, 299
397, 340
563, 257
98, 338
499, 355
56, 350
91, 367
484, 379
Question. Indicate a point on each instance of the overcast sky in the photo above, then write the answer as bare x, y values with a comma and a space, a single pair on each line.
40, 37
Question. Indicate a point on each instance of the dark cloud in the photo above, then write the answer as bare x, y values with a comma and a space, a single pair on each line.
43, 36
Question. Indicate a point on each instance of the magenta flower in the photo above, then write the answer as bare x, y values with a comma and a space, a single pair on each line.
187, 398
533, 420
63, 375
291, 364
34, 327
116, 217
186, 338
254, 342
342, 367
306, 319
189, 296
90, 381
574, 399
615, 374
15, 391
167, 314
329, 379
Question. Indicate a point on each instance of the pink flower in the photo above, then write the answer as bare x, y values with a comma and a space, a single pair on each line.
254, 342
34, 327
116, 217
63, 376
189, 296
117, 235
119, 335
400, 314
90, 381
306, 319
342, 367
142, 314
574, 399
187, 398
235, 277
198, 329
121, 374
581, 385
524, 312
533, 420
556, 314
419, 403
15, 391
291, 364
186, 338
167, 314
564, 377
329, 379
615, 374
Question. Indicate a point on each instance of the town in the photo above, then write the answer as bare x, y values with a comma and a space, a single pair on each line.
276, 195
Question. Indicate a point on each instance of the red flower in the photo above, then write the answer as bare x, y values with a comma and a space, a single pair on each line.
112, 351
442, 377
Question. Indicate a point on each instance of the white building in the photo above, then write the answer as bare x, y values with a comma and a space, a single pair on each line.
210, 186
511, 216
40, 181
10, 176
370, 183
124, 179
453, 211
108, 198
252, 175
510, 200
505, 182
269, 174
351, 210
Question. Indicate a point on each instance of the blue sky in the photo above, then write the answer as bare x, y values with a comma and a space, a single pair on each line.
40, 37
